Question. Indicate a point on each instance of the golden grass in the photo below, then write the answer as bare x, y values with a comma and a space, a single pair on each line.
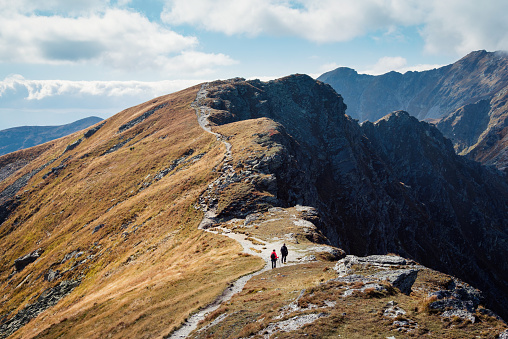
148, 267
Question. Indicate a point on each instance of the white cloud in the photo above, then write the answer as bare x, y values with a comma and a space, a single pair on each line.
116, 38
54, 102
43, 102
463, 26
397, 64
42, 89
387, 64
450, 26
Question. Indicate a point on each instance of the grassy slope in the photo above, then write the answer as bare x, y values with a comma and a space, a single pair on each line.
148, 267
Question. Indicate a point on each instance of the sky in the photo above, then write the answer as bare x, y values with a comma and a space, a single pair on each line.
63, 60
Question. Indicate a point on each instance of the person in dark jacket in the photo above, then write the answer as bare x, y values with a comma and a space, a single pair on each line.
283, 253
274, 258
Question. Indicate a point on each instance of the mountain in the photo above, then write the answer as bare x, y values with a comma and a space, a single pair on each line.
16, 138
467, 101
130, 227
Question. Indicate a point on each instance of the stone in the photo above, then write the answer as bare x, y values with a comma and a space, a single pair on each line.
29, 258
401, 279
51, 275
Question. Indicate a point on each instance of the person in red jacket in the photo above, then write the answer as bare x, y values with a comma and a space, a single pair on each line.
274, 258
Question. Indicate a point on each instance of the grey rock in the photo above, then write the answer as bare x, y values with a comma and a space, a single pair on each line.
97, 228
93, 130
383, 260
48, 298
29, 258
140, 118
464, 314
51, 275
402, 279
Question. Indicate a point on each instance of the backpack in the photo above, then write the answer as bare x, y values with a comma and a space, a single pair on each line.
273, 255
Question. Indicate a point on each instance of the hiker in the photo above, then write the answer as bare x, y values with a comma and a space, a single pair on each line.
274, 258
283, 253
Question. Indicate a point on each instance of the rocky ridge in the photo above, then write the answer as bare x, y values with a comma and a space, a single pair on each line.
466, 101
393, 186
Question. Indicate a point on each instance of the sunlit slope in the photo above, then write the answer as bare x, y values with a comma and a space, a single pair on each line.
112, 212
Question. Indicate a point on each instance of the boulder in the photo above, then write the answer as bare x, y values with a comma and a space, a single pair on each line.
29, 258
402, 279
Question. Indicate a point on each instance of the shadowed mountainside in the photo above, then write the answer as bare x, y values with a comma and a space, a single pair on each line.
393, 186
16, 138
100, 229
466, 100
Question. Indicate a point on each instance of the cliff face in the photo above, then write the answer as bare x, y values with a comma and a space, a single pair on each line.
465, 96
480, 130
393, 186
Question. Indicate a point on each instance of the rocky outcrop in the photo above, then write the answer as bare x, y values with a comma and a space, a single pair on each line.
47, 299
29, 258
393, 186
140, 118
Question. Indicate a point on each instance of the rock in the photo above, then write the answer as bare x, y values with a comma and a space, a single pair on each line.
48, 298
97, 228
51, 275
383, 260
73, 145
29, 258
402, 279
93, 130
140, 118
463, 314
393, 311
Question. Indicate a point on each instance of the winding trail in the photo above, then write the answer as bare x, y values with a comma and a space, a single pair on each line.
202, 113
260, 248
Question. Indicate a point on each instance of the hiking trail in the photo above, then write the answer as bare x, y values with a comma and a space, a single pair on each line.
260, 248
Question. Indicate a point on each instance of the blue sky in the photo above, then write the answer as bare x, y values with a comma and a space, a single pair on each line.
63, 60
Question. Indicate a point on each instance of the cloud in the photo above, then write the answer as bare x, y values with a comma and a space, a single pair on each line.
33, 90
397, 64
42, 102
113, 37
463, 26
451, 26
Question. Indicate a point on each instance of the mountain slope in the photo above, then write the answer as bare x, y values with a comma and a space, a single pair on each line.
103, 230
114, 219
468, 97
14, 139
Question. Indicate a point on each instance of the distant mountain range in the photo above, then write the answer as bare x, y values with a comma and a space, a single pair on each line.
466, 100
16, 138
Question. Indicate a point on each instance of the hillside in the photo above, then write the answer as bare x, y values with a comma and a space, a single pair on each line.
119, 230
466, 101
16, 138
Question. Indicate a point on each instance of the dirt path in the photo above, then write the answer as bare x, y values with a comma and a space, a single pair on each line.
238, 285
202, 114
260, 248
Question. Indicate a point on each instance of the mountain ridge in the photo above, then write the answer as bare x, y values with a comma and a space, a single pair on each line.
115, 217
16, 138
474, 85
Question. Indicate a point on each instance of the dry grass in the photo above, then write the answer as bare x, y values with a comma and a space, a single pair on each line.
267, 296
148, 267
